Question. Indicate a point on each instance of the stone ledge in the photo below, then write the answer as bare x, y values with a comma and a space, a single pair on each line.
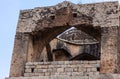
102, 76
61, 62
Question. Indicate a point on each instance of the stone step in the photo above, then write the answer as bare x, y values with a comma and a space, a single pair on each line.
101, 76
52, 77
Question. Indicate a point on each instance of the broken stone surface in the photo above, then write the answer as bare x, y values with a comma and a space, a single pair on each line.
100, 14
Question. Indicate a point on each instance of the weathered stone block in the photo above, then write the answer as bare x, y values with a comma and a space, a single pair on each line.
77, 73
82, 69
60, 69
28, 70
68, 69
93, 69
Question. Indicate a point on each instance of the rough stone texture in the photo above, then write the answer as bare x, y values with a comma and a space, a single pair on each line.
102, 14
38, 26
59, 68
20, 54
109, 45
103, 76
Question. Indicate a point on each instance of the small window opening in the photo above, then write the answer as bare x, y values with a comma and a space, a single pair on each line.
74, 14
52, 17
32, 70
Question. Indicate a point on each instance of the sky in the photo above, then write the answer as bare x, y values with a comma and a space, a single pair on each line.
9, 13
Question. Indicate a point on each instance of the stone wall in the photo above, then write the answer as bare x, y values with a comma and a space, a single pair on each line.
62, 68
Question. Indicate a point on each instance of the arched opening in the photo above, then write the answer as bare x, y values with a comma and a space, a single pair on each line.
81, 44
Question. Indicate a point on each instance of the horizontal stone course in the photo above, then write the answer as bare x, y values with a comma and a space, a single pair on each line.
62, 63
102, 76
66, 68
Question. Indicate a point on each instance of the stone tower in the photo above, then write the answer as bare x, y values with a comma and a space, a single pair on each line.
46, 47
